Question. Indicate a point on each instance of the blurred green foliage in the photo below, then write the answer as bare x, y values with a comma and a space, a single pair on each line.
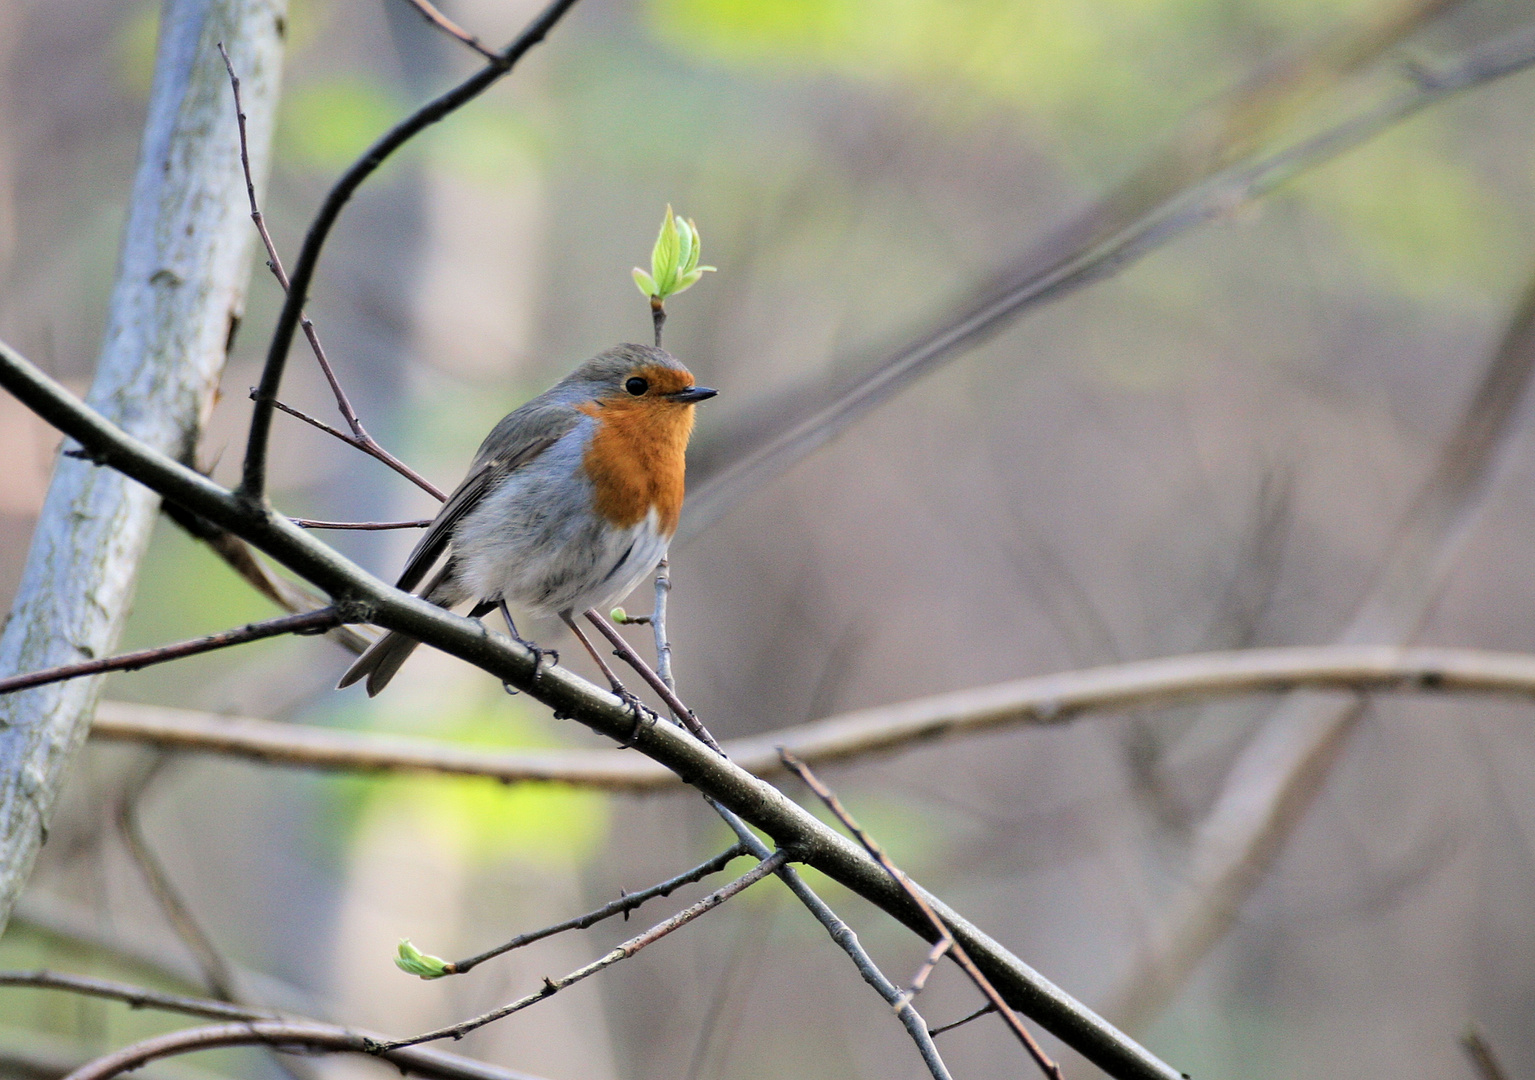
481, 821
327, 124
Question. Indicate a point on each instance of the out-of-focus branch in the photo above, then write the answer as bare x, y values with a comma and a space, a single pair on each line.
430, 13
1274, 781
1477, 1047
217, 977
1036, 701
265, 1027
1204, 195
253, 481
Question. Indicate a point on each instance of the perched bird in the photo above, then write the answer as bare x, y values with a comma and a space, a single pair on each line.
570, 503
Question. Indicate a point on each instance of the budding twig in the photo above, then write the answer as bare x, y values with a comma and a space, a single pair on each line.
622, 952
622, 906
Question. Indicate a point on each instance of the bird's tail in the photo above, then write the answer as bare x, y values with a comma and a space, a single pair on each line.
386, 655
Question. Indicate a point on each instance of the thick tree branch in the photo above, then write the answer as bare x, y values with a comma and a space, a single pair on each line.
362, 596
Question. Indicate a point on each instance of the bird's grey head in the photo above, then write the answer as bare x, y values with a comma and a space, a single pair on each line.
630, 371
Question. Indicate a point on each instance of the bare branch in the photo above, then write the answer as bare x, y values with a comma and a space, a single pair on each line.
264, 1026
308, 622
1037, 701
293, 1036
1272, 784
309, 523
620, 952
1474, 1041
360, 437
253, 482
622, 906
216, 973
684, 714
945, 944
572, 697
451, 28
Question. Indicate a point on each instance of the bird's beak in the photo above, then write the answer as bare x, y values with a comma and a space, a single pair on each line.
691, 395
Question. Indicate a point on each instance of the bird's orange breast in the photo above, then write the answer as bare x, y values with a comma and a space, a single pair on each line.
637, 459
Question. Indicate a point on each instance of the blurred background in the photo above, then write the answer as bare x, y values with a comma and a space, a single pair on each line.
1210, 450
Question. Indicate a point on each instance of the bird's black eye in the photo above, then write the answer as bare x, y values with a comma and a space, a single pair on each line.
636, 386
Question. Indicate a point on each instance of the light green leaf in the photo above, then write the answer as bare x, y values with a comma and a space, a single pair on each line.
413, 961
646, 283
663, 260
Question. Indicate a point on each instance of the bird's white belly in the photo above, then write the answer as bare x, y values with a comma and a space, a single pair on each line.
546, 558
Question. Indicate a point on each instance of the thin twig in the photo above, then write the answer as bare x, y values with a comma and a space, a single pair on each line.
840, 932
424, 1061
360, 437
621, 952
309, 622
844, 938
962, 1021
253, 478
295, 1037
240, 557
451, 28
945, 938
1477, 1047
686, 715
136, 997
622, 906
310, 523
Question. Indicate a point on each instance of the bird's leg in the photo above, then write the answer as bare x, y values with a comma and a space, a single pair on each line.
619, 689
538, 653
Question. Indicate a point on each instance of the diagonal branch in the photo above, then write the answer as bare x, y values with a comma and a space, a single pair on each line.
253, 481
945, 943
360, 595
1272, 784
430, 13
1101, 257
360, 437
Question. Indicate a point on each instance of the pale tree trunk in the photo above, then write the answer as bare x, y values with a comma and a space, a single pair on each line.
181, 281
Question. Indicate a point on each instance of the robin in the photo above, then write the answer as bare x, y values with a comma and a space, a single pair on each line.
570, 503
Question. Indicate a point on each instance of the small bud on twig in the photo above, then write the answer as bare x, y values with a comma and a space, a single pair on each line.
673, 261
413, 961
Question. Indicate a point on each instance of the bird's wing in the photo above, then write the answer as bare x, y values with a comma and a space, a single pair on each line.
502, 453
